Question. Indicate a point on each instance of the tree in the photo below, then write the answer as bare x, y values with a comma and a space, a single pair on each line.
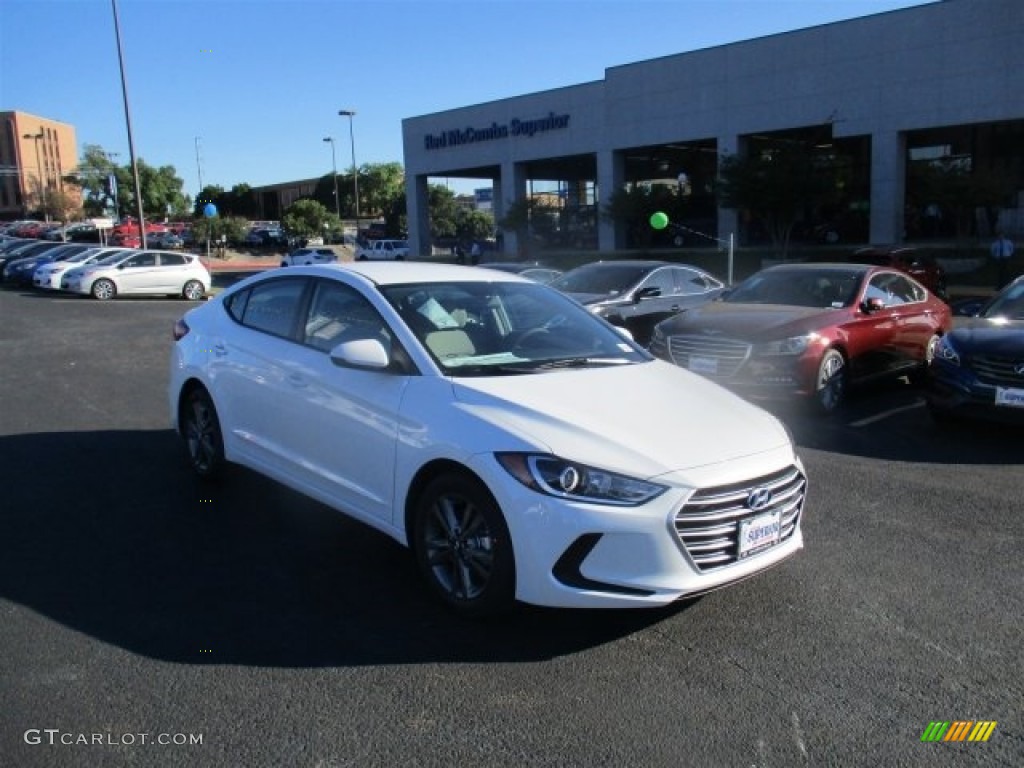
232, 228
632, 206
443, 212
474, 225
776, 184
379, 185
62, 206
91, 176
307, 218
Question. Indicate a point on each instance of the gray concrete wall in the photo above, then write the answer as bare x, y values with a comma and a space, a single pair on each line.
947, 63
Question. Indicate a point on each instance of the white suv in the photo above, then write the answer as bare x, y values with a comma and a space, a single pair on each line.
304, 257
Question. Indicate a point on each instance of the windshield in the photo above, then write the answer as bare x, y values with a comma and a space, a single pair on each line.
607, 279
1009, 304
477, 328
114, 258
832, 289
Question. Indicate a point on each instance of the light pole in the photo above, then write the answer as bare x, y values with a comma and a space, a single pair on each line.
39, 170
334, 166
350, 113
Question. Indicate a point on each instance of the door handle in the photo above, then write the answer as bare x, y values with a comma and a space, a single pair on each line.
219, 349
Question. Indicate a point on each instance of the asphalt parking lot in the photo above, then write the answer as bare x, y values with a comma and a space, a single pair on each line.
138, 604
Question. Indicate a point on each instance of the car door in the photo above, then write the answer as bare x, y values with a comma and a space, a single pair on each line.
349, 426
916, 323
172, 272
872, 337
251, 367
654, 300
138, 273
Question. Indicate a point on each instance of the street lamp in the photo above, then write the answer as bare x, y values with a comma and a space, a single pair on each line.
350, 113
39, 170
334, 165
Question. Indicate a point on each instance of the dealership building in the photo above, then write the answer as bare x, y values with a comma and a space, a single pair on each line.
942, 81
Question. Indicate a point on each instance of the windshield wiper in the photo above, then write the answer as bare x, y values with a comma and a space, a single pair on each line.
579, 362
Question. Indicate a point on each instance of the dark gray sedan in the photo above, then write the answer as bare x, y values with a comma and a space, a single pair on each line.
637, 295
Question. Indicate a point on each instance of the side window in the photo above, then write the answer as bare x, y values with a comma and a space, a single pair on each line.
662, 279
339, 313
689, 282
876, 289
273, 306
171, 260
234, 305
906, 291
141, 260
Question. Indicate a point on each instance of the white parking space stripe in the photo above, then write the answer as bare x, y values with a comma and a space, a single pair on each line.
886, 414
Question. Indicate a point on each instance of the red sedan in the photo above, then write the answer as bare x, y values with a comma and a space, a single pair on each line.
809, 330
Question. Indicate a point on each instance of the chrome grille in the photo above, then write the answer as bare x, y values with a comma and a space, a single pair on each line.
708, 525
998, 370
729, 354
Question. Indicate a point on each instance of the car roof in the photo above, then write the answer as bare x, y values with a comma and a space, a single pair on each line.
399, 272
840, 266
632, 264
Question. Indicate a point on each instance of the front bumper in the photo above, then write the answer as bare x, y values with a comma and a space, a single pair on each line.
577, 555
957, 390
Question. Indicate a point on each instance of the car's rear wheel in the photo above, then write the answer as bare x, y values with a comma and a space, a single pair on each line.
200, 428
920, 375
830, 382
463, 547
103, 289
193, 290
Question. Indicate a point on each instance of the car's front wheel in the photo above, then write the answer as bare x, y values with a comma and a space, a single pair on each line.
830, 382
463, 547
103, 289
200, 428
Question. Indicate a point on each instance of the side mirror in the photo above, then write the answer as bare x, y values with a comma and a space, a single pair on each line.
872, 305
650, 292
367, 354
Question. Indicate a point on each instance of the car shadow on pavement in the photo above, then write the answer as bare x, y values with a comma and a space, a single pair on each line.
110, 534
890, 421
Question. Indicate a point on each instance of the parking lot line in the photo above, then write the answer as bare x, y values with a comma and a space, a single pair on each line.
886, 414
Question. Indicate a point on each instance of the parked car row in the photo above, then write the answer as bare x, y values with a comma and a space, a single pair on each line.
102, 272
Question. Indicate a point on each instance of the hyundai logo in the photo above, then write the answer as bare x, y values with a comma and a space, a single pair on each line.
1019, 369
759, 498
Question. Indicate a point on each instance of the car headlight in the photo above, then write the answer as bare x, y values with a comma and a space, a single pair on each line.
794, 345
569, 480
946, 352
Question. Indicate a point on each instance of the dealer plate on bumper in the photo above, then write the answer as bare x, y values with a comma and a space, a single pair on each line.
707, 365
759, 533
1014, 398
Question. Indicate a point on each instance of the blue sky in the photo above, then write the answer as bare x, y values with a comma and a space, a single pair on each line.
261, 81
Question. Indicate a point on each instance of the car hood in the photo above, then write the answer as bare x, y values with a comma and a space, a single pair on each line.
981, 335
645, 419
751, 321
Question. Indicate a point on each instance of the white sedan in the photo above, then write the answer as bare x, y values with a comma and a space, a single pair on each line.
303, 257
133, 272
523, 448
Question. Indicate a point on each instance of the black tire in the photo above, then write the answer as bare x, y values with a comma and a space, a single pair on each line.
103, 289
200, 429
193, 291
830, 382
463, 547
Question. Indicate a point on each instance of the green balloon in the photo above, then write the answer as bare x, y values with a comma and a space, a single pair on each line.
659, 220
